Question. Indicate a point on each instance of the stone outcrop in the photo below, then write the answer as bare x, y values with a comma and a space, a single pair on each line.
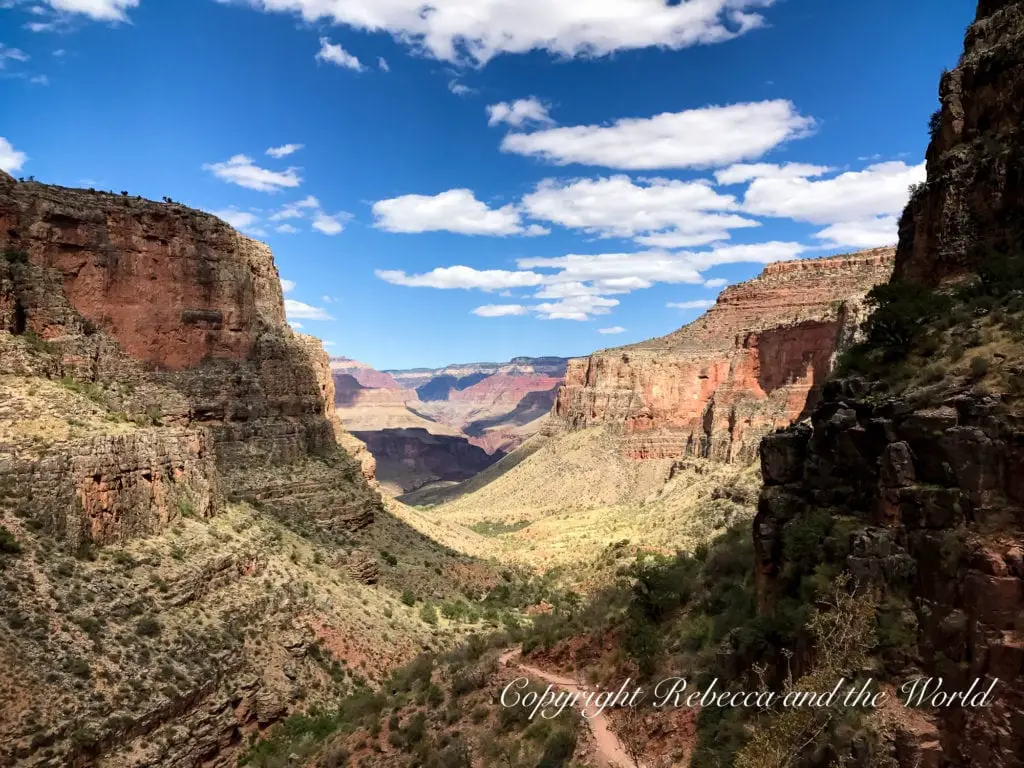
166, 316
754, 362
933, 501
925, 492
972, 203
172, 285
105, 490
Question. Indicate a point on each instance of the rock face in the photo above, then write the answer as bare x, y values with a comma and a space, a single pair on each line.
147, 379
412, 458
171, 317
754, 362
172, 285
930, 493
973, 200
934, 500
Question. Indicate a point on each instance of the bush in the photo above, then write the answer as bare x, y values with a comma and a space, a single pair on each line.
408, 597
8, 544
979, 367
558, 749
15, 257
429, 613
147, 626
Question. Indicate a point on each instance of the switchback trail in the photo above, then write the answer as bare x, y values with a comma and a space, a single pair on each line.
609, 751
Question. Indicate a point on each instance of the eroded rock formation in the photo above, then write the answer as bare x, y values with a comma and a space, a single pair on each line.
923, 490
972, 203
754, 362
147, 380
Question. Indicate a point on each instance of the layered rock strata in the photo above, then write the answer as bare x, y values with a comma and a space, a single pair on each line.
172, 318
754, 362
925, 494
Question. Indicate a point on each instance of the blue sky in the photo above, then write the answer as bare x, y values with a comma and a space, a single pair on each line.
490, 178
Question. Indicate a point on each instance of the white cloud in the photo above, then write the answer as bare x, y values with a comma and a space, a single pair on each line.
519, 113
478, 30
240, 220
697, 304
459, 89
287, 286
500, 310
335, 54
59, 52
299, 311
697, 138
241, 170
579, 287
284, 150
456, 210
868, 233
100, 10
296, 326
11, 54
718, 282
614, 329
329, 343
296, 210
330, 225
660, 212
39, 80
462, 277
878, 190
579, 308
744, 172
11, 160
383, 64
309, 208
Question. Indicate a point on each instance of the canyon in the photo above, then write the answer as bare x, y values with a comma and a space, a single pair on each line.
655, 443
191, 540
430, 427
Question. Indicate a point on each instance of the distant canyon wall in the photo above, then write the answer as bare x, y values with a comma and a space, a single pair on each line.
754, 362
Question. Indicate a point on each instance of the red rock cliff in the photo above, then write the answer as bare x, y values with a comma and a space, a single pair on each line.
172, 285
755, 361
972, 202
169, 318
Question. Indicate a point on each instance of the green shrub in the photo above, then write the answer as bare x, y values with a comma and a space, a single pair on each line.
8, 544
979, 367
147, 626
408, 597
428, 613
15, 257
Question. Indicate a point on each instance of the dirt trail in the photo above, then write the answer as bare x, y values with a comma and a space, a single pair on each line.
609, 750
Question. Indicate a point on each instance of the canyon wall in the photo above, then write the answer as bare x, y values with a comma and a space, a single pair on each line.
426, 425
148, 381
920, 483
168, 316
972, 203
752, 363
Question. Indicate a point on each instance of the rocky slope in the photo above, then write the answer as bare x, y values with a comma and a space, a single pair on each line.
182, 516
919, 478
754, 362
